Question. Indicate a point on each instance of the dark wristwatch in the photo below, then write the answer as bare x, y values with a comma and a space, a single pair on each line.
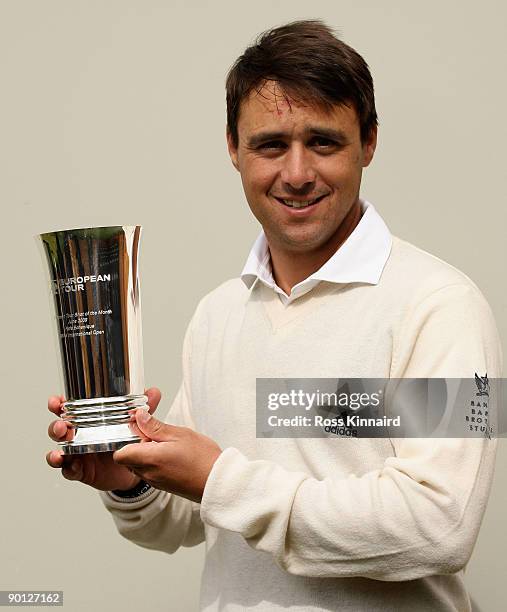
141, 488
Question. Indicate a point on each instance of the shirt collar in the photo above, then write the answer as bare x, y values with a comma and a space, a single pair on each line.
361, 258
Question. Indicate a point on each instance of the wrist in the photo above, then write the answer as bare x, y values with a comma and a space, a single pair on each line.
132, 485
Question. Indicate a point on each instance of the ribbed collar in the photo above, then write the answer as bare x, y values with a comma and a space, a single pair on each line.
361, 258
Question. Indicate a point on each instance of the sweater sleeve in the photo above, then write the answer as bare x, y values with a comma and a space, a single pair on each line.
418, 515
161, 520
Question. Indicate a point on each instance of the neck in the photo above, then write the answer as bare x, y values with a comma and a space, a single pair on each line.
291, 267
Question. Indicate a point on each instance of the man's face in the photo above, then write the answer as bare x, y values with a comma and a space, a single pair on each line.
290, 154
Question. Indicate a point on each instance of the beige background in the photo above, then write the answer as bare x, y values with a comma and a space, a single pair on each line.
112, 112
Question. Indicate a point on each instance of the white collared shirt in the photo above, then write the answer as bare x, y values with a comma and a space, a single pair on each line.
361, 258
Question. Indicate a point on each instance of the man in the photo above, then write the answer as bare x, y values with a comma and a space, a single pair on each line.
310, 524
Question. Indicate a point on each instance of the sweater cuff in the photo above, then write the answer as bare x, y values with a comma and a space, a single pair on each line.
115, 502
244, 496
217, 491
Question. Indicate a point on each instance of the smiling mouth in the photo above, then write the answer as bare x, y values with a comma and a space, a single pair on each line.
299, 203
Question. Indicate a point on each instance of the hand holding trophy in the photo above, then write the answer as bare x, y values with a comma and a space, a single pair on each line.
97, 470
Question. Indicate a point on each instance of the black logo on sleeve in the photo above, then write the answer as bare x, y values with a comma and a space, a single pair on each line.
478, 411
482, 383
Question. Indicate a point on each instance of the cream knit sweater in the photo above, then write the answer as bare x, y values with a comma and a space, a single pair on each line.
329, 524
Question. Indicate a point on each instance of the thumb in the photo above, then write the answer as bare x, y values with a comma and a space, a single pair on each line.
153, 394
151, 427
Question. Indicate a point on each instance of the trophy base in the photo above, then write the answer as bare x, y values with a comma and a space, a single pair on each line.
100, 425
75, 447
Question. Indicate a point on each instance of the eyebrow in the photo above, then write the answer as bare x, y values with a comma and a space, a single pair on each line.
261, 137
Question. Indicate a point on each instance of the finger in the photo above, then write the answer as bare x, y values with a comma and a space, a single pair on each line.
55, 404
136, 456
73, 470
60, 431
154, 395
153, 428
135, 429
55, 458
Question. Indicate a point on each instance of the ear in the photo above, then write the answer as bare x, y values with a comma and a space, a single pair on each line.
233, 150
369, 147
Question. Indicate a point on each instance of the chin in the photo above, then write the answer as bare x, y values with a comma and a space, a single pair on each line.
301, 243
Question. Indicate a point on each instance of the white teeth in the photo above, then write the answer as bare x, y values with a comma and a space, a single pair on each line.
295, 204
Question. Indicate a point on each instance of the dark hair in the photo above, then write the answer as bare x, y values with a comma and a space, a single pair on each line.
309, 63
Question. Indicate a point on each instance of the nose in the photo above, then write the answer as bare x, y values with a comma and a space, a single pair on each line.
297, 172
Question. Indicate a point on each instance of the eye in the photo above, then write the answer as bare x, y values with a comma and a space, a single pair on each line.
322, 143
272, 145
